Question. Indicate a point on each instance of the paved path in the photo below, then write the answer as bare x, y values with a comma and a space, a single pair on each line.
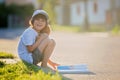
100, 51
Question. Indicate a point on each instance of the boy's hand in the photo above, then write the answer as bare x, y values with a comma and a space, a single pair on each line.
42, 36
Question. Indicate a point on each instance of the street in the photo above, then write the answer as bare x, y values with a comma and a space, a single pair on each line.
100, 51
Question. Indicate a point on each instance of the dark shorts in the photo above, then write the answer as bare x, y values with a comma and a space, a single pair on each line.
37, 56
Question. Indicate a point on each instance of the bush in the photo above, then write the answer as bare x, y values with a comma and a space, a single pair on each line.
6, 55
116, 30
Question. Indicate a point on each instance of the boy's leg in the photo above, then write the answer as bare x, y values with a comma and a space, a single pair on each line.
37, 56
46, 47
47, 52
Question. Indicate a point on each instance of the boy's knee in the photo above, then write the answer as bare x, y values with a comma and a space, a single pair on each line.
52, 41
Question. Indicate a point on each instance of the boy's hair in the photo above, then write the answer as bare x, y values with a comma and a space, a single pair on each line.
43, 15
36, 17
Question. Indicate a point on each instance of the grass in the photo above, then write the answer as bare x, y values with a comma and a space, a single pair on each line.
97, 29
6, 55
24, 71
66, 28
2, 64
77, 28
116, 30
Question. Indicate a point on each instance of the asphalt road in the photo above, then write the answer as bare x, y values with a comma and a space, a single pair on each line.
100, 51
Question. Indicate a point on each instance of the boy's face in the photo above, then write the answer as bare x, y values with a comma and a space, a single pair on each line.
39, 24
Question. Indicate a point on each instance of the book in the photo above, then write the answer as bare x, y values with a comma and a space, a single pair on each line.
80, 68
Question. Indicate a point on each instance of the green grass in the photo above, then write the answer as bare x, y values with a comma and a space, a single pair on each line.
77, 28
2, 64
66, 28
116, 30
97, 29
6, 55
23, 71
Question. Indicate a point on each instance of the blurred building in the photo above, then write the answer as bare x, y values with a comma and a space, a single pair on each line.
22, 2
12, 20
73, 12
2, 1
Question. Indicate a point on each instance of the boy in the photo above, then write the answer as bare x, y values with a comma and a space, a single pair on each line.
35, 45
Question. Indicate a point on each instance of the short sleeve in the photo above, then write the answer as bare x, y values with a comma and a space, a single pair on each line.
28, 38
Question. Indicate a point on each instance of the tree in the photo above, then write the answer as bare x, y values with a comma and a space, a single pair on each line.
49, 5
86, 24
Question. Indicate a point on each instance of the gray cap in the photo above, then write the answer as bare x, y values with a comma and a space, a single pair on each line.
36, 12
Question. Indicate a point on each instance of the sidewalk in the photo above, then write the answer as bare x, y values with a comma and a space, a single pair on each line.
99, 51
10, 33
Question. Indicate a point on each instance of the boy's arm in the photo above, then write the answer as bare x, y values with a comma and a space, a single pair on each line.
31, 48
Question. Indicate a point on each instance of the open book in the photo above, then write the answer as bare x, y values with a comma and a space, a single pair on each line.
73, 69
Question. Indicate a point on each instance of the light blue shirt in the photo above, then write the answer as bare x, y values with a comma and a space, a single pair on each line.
27, 38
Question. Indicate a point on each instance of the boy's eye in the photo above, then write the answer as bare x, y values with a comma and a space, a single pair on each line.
43, 20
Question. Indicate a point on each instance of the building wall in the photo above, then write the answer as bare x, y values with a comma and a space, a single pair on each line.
117, 3
99, 17
77, 12
1, 1
59, 17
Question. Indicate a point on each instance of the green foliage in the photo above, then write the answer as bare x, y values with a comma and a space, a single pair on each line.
6, 55
49, 6
3, 15
66, 28
116, 30
14, 9
23, 10
97, 29
25, 71
3, 10
77, 28
2, 64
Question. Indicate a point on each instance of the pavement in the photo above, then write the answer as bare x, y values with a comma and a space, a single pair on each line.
100, 51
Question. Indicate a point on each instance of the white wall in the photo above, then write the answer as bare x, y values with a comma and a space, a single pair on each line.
100, 16
59, 16
77, 12
117, 3
94, 18
77, 18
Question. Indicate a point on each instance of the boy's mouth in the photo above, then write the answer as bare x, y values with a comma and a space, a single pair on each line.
39, 25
